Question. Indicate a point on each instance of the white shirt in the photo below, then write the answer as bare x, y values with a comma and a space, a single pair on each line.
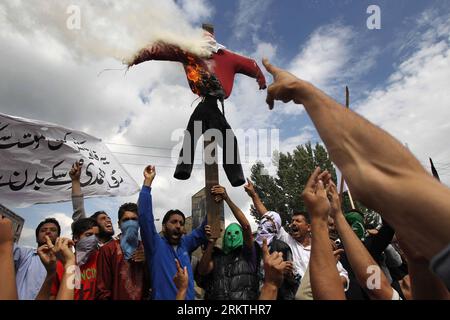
301, 255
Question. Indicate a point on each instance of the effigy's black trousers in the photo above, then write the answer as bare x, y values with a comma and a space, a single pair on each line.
210, 116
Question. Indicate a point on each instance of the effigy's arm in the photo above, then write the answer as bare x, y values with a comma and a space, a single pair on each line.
158, 51
250, 68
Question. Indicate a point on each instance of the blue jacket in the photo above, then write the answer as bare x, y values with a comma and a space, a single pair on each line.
160, 254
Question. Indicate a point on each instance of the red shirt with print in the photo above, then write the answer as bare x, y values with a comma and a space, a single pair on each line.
85, 286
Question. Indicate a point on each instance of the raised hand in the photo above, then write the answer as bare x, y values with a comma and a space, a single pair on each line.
250, 188
149, 175
138, 255
219, 193
181, 278
315, 197
208, 234
335, 200
47, 255
6, 231
63, 251
284, 86
75, 172
274, 266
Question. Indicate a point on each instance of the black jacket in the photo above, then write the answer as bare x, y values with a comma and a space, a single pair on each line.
234, 277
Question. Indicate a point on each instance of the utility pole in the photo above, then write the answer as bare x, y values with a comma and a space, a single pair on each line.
211, 179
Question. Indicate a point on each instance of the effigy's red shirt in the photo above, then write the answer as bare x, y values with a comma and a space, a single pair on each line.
214, 76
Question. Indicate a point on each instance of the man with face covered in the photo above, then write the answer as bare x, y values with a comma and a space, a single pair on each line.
84, 234
122, 273
231, 273
162, 251
30, 271
269, 226
106, 230
299, 238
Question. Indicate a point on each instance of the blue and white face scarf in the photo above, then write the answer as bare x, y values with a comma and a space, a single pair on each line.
129, 239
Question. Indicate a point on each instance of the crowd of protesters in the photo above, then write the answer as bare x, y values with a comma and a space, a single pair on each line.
324, 254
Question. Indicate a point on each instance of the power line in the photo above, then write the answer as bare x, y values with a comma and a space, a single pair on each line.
142, 155
158, 165
148, 155
137, 146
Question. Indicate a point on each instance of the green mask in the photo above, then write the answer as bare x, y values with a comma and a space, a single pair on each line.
232, 238
356, 221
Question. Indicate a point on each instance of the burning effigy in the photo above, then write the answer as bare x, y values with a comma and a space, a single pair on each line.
210, 76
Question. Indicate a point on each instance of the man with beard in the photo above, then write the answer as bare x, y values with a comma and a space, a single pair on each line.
106, 230
161, 251
30, 271
122, 273
84, 234
299, 238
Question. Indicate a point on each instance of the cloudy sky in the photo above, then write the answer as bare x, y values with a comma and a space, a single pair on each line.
398, 76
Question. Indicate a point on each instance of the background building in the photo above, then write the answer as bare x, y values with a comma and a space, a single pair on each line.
17, 221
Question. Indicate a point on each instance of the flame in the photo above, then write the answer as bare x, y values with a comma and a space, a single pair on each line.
194, 74
193, 70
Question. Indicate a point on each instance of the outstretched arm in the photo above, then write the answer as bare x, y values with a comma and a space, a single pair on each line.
259, 206
250, 68
181, 280
274, 269
158, 51
206, 264
145, 208
361, 261
77, 195
325, 281
371, 159
221, 194
63, 248
425, 285
48, 259
8, 289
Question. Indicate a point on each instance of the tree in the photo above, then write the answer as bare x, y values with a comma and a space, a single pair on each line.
282, 193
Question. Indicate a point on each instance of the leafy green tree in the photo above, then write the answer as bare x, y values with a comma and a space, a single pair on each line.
282, 192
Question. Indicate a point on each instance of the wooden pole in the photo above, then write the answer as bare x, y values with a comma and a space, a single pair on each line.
347, 104
212, 179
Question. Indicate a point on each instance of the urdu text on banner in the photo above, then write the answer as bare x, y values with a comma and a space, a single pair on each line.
36, 158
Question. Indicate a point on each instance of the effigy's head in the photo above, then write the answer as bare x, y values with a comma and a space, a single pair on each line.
209, 28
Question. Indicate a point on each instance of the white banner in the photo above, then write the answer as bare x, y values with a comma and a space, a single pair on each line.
36, 157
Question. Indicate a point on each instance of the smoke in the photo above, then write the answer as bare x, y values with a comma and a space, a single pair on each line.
107, 28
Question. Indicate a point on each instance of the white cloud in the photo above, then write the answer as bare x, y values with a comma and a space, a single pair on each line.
265, 50
414, 106
196, 10
65, 222
329, 58
107, 29
250, 18
306, 134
